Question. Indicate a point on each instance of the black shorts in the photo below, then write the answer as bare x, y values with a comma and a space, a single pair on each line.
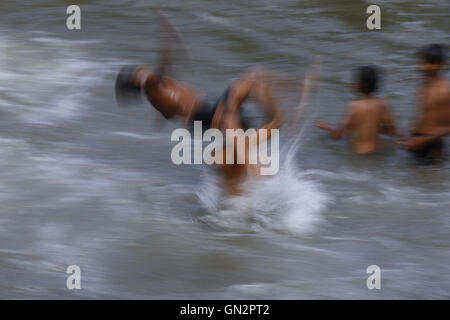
207, 110
431, 150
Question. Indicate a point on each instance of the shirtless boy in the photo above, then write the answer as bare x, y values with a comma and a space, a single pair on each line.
173, 99
366, 117
434, 98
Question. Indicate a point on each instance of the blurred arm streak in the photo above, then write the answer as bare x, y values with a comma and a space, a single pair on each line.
310, 78
176, 32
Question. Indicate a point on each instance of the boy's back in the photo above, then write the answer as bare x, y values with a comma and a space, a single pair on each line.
367, 118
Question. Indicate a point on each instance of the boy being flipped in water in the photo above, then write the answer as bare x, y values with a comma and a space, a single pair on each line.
173, 99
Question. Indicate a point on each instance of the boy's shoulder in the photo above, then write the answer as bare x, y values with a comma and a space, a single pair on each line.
438, 84
441, 89
372, 101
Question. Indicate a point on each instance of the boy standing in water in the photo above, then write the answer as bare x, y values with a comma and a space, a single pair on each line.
434, 97
366, 117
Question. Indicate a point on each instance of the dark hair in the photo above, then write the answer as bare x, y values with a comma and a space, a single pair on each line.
367, 78
127, 92
433, 53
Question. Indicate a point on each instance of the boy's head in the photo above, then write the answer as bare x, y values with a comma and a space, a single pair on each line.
433, 58
127, 90
365, 79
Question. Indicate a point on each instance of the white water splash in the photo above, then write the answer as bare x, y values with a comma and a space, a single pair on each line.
286, 202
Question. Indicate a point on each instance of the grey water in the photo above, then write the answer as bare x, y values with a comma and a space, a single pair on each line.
86, 183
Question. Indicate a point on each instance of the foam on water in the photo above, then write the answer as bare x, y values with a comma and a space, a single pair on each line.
45, 79
286, 202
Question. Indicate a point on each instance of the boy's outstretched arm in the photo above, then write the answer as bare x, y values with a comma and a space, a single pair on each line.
276, 122
335, 133
338, 133
164, 60
417, 143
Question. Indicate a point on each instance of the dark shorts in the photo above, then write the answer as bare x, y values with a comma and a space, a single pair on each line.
430, 151
207, 110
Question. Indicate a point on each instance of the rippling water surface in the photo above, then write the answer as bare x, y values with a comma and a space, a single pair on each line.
86, 183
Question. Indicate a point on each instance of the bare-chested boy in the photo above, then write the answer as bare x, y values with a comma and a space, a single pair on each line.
173, 99
434, 97
366, 117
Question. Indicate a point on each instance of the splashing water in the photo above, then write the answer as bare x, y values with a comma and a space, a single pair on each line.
286, 202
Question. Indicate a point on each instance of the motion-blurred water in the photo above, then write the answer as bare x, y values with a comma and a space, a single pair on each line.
86, 183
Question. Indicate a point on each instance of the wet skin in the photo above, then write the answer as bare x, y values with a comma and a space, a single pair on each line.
173, 99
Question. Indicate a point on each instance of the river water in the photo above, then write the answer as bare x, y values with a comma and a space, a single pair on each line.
86, 183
